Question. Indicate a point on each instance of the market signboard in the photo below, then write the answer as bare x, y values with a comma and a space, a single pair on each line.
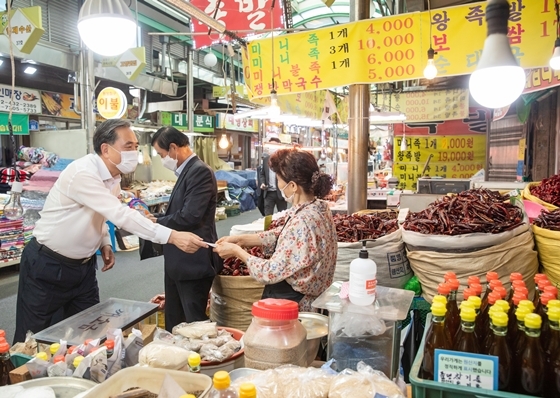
59, 105
202, 123
27, 28
457, 147
229, 122
112, 103
26, 100
20, 124
394, 48
132, 62
541, 79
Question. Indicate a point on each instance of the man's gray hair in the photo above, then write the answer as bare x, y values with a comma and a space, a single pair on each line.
106, 133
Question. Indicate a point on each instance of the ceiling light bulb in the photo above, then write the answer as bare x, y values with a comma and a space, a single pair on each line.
210, 60
30, 70
224, 143
404, 146
555, 60
107, 27
430, 71
498, 80
274, 109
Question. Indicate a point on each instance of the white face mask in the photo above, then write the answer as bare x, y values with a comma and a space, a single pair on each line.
129, 161
169, 163
287, 199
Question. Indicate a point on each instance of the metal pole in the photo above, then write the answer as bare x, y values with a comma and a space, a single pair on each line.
358, 123
190, 89
87, 76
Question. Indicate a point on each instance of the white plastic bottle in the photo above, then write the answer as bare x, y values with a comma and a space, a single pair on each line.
363, 280
221, 387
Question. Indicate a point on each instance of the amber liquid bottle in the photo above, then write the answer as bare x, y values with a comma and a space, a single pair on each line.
520, 314
453, 318
490, 332
532, 358
442, 298
436, 338
484, 324
490, 276
551, 351
466, 339
500, 348
6, 365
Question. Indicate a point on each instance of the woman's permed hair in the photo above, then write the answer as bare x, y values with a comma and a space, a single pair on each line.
301, 167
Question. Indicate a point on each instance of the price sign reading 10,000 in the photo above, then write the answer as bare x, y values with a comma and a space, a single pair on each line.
395, 60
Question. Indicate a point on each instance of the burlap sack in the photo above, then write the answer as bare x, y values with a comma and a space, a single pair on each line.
548, 248
529, 196
388, 253
515, 255
231, 300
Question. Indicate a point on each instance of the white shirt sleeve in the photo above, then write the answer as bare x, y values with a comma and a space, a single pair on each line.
87, 189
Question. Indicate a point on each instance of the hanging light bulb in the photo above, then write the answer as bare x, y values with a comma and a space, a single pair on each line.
555, 60
430, 71
224, 142
140, 157
274, 109
498, 80
107, 27
210, 60
13, 209
404, 145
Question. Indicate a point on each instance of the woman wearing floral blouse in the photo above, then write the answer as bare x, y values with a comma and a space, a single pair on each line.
303, 251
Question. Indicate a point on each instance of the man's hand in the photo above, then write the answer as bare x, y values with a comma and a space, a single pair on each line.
108, 257
159, 300
152, 218
186, 241
264, 186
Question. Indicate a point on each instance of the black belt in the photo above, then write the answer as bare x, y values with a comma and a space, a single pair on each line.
58, 256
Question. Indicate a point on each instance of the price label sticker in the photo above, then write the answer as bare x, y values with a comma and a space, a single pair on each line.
466, 369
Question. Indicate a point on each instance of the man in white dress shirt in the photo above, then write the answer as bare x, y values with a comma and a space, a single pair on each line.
58, 266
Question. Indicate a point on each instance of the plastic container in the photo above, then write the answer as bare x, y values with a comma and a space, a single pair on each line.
432, 389
221, 386
151, 379
275, 337
363, 272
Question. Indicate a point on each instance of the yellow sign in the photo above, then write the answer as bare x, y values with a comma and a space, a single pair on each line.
27, 28
132, 62
453, 156
223, 91
394, 48
424, 106
111, 103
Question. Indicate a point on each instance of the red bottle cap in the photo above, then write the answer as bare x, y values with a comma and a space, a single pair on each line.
473, 279
518, 283
449, 275
494, 283
515, 276
278, 309
544, 283
454, 283
2, 333
552, 290
517, 297
546, 297
2, 340
88, 341
4, 348
477, 287
468, 292
522, 290
501, 291
71, 349
110, 344
493, 297
444, 289
490, 276
58, 358
538, 277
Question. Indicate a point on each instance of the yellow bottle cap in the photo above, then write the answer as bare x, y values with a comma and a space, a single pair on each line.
194, 359
440, 299
438, 309
553, 303
495, 308
42, 355
533, 321
500, 318
247, 390
77, 361
527, 303
504, 304
466, 303
554, 314
521, 313
476, 301
468, 314
54, 348
187, 396
221, 380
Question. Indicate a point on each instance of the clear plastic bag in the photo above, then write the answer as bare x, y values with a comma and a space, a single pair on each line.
196, 330
38, 368
163, 355
354, 324
132, 347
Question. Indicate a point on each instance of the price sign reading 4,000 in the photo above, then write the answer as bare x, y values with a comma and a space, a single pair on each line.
391, 49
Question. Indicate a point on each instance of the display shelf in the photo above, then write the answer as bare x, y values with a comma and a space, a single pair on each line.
9, 263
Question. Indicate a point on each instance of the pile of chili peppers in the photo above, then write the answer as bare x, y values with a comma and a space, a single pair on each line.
358, 227
233, 266
548, 220
548, 190
475, 210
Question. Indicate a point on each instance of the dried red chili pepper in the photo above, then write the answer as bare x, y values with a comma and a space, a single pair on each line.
548, 190
548, 220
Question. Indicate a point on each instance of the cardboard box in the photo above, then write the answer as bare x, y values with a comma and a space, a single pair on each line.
20, 374
148, 332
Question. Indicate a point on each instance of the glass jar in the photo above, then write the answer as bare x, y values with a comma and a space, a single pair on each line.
275, 337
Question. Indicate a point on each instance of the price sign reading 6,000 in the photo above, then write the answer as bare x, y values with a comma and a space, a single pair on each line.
391, 47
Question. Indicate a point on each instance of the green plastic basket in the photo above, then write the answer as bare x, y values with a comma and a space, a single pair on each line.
421, 307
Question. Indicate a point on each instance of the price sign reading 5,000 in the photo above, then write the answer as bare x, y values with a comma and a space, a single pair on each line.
391, 49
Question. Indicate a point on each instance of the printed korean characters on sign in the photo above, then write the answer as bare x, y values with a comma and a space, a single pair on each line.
424, 106
26, 28
541, 79
60, 105
466, 369
237, 15
229, 122
25, 100
203, 123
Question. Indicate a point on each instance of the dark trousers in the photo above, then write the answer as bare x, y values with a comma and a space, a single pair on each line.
50, 289
272, 199
186, 300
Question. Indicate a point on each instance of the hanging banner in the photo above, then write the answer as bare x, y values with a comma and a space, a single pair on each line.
229, 122
236, 15
395, 48
26, 100
541, 79
60, 105
20, 124
27, 27
132, 62
457, 148
424, 106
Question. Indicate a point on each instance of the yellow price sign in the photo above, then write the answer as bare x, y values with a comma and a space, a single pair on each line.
111, 103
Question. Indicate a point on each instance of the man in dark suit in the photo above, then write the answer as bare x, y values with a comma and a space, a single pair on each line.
192, 208
272, 195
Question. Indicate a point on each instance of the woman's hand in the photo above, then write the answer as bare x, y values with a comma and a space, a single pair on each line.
227, 250
230, 239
